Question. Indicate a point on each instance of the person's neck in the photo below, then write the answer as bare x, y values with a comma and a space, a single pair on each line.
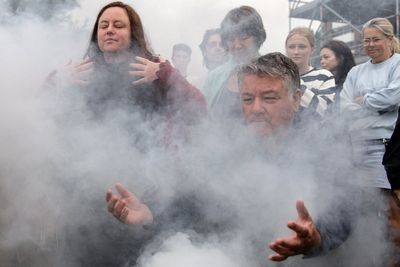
116, 57
274, 142
384, 58
247, 59
213, 65
183, 72
304, 69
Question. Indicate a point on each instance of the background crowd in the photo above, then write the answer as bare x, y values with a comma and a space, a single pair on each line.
256, 125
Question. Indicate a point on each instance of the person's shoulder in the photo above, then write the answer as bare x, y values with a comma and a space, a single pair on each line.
321, 73
360, 69
227, 67
396, 56
317, 75
395, 59
306, 115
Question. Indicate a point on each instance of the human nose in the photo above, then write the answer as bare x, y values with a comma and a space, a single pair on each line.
110, 29
237, 43
220, 47
257, 106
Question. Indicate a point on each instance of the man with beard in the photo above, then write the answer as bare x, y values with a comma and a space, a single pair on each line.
270, 97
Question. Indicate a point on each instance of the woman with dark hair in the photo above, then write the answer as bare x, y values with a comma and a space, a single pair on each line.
120, 76
119, 70
337, 57
130, 23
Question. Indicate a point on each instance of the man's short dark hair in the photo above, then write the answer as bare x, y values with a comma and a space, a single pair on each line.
181, 47
274, 65
243, 20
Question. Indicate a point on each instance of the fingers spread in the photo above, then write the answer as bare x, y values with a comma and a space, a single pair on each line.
142, 60
277, 257
83, 67
286, 244
138, 73
111, 203
122, 190
138, 66
119, 206
140, 81
302, 210
86, 60
108, 195
300, 230
124, 214
282, 250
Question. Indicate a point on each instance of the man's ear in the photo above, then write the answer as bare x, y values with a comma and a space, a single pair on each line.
296, 99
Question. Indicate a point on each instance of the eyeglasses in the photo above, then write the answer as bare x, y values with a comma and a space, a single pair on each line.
373, 40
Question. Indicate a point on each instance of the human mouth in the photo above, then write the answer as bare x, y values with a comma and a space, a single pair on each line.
258, 120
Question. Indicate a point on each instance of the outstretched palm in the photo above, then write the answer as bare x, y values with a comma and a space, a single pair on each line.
127, 207
305, 238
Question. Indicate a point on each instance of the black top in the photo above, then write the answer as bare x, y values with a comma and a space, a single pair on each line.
391, 158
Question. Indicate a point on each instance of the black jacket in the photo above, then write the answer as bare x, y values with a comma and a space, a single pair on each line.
391, 158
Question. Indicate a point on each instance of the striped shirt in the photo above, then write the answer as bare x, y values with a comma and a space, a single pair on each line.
318, 89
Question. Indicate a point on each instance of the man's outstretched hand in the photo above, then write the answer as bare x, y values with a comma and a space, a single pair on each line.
127, 208
306, 236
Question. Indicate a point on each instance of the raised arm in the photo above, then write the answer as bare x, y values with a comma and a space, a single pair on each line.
71, 74
181, 95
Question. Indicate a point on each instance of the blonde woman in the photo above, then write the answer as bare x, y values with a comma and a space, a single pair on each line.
371, 97
317, 85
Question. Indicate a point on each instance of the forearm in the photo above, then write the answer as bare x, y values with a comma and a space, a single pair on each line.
381, 101
181, 95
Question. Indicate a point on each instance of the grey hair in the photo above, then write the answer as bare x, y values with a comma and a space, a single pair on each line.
274, 65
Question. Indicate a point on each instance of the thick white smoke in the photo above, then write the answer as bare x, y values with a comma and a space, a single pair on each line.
56, 163
196, 254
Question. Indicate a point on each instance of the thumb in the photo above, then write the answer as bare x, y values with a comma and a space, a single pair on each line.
162, 59
122, 190
302, 210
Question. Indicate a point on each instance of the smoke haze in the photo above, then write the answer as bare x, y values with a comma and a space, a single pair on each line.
56, 162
